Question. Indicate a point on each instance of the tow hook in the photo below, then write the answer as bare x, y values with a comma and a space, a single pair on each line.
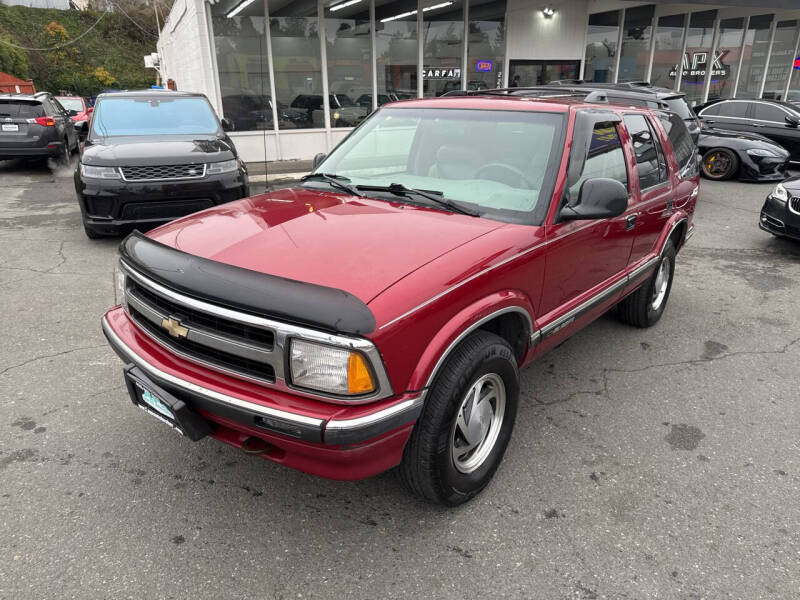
254, 445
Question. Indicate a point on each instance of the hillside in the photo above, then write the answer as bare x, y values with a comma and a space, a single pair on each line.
111, 55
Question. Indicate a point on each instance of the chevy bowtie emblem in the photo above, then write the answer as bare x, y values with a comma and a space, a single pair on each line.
174, 328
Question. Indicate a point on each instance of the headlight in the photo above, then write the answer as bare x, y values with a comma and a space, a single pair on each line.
780, 193
329, 369
762, 152
119, 286
226, 166
91, 172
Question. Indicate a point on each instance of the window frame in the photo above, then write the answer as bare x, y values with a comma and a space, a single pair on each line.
660, 156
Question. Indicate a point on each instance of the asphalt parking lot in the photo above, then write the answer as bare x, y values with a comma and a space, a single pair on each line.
661, 463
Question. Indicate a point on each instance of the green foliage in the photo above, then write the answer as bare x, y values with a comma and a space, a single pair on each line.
111, 55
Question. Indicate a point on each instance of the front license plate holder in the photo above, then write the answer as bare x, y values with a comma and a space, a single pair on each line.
159, 403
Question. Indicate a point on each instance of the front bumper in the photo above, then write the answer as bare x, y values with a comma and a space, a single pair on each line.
115, 206
765, 168
328, 440
777, 219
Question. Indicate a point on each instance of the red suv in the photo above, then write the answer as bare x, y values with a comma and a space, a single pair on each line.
378, 313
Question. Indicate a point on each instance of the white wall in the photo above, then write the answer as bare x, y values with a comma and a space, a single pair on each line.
534, 37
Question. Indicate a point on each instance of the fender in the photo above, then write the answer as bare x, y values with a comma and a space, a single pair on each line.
679, 219
463, 323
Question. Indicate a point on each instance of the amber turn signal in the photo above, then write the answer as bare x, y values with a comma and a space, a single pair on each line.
359, 378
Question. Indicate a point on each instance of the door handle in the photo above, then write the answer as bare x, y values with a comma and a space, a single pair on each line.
630, 222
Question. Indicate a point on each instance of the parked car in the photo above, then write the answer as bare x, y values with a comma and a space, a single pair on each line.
35, 127
378, 313
780, 214
344, 111
632, 93
248, 112
152, 156
365, 100
78, 110
777, 121
748, 156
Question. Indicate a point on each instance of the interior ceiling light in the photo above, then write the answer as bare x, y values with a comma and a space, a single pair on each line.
413, 12
239, 8
344, 5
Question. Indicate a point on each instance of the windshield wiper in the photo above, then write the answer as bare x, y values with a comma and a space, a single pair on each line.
398, 189
334, 181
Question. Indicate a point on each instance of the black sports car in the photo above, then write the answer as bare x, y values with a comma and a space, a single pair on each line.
780, 215
750, 156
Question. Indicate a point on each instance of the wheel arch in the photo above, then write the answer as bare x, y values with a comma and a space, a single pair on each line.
675, 230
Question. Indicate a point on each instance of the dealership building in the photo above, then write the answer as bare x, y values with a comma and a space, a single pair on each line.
295, 76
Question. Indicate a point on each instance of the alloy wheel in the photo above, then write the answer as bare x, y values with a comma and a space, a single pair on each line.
478, 422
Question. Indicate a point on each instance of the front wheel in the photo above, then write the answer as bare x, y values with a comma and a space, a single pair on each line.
719, 164
466, 424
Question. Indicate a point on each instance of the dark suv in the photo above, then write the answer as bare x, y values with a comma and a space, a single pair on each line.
35, 126
152, 156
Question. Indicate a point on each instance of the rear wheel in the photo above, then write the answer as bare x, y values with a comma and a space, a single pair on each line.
719, 164
644, 307
64, 154
462, 434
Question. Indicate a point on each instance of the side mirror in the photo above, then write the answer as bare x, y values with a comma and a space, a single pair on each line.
227, 124
792, 121
90, 110
317, 160
599, 198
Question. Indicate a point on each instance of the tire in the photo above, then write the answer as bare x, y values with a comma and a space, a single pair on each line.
64, 155
719, 164
644, 307
435, 465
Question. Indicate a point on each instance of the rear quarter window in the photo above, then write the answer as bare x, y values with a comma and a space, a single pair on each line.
682, 145
21, 110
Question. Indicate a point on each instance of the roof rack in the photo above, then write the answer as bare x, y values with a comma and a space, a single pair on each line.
537, 91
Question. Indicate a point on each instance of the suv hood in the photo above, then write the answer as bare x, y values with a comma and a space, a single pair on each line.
133, 151
359, 245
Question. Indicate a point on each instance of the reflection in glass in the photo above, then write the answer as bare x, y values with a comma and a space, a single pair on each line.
636, 43
241, 50
756, 43
442, 46
667, 55
601, 47
727, 58
296, 61
699, 39
487, 44
396, 49
349, 56
781, 59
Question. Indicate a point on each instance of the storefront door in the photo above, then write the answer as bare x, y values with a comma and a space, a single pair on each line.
524, 73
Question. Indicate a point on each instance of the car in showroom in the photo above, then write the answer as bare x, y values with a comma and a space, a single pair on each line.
747, 156
35, 127
79, 110
378, 313
780, 214
778, 121
344, 111
152, 156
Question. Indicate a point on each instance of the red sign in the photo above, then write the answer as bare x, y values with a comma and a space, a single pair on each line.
797, 63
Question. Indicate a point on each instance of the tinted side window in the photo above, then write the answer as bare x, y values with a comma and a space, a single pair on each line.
649, 155
733, 109
767, 112
711, 110
605, 159
681, 142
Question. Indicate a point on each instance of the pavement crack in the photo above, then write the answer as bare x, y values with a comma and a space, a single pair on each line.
36, 358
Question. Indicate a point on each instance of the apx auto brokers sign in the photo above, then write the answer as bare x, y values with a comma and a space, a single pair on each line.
694, 65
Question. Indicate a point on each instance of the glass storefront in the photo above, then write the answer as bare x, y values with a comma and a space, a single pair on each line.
486, 43
699, 38
635, 51
667, 52
781, 59
726, 67
756, 44
601, 47
396, 49
442, 46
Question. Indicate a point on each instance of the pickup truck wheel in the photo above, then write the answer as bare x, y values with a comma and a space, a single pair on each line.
465, 426
644, 307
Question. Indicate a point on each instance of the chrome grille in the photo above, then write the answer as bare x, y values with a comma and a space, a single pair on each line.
794, 204
161, 172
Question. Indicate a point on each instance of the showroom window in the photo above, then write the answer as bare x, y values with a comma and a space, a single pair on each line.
296, 63
699, 39
241, 51
442, 46
348, 46
636, 34
781, 59
601, 47
396, 49
667, 56
486, 44
726, 59
756, 44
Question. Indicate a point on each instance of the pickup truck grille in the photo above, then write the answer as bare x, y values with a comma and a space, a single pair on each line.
224, 344
162, 172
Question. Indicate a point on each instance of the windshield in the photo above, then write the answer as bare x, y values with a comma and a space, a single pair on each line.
21, 109
496, 160
679, 107
153, 116
75, 104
